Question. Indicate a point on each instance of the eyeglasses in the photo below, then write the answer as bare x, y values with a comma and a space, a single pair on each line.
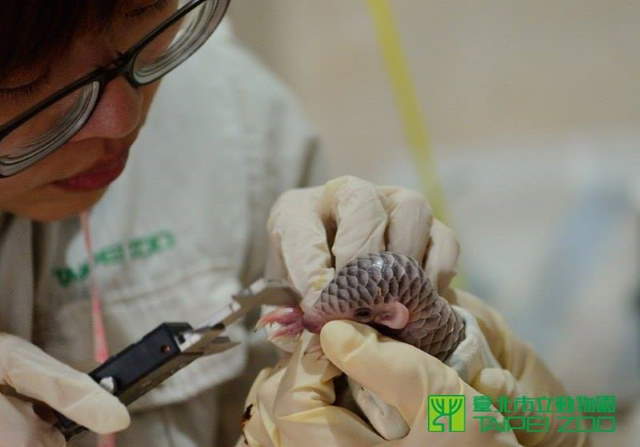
51, 123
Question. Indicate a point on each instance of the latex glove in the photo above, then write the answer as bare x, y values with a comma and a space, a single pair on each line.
523, 373
291, 404
34, 374
316, 231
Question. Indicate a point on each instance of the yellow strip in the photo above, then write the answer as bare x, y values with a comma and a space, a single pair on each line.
410, 111
409, 107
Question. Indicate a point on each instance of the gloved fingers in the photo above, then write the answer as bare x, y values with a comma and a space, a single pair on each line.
471, 435
414, 232
496, 382
21, 427
326, 426
259, 426
303, 407
513, 354
307, 381
33, 373
265, 388
298, 246
355, 208
491, 323
258, 382
535, 379
442, 255
410, 220
299, 419
499, 384
395, 371
530, 370
403, 376
313, 230
292, 406
259, 429
524, 373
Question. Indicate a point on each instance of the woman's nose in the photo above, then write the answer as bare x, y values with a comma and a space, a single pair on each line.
117, 115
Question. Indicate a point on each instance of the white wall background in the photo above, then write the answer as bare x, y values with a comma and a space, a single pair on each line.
490, 73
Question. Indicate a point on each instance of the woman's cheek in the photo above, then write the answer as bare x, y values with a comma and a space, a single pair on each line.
22, 184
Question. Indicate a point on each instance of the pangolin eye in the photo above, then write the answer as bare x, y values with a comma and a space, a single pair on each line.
362, 313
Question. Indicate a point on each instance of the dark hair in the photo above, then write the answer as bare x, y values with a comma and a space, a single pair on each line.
33, 30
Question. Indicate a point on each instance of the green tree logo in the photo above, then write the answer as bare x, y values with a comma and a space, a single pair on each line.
445, 407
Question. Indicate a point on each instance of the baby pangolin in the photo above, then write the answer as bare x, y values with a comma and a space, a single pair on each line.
388, 291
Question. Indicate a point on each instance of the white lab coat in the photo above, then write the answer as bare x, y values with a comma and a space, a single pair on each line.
183, 228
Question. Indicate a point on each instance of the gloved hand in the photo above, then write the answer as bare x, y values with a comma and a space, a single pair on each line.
523, 373
315, 231
34, 374
291, 405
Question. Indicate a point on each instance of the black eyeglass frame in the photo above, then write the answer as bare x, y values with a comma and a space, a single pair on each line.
123, 65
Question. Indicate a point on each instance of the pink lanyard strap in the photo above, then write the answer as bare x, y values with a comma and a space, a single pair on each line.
100, 347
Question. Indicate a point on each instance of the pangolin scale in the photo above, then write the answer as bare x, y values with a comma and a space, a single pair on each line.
370, 288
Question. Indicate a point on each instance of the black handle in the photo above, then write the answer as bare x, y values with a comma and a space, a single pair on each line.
138, 368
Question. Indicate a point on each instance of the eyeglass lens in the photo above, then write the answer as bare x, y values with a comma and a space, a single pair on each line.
51, 126
176, 43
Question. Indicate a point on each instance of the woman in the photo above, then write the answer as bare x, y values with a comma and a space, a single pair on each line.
181, 228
